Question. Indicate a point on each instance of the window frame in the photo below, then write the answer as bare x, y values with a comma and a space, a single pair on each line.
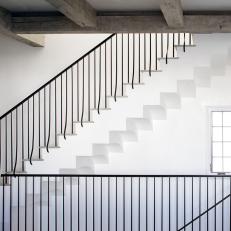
210, 112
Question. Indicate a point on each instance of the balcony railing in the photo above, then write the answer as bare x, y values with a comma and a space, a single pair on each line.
115, 202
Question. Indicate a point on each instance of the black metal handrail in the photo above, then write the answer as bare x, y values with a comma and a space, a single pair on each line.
60, 73
83, 86
205, 212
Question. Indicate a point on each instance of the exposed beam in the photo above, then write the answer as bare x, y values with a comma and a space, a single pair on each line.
34, 40
110, 24
5, 28
79, 11
173, 13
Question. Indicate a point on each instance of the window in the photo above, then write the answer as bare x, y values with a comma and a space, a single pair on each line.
221, 140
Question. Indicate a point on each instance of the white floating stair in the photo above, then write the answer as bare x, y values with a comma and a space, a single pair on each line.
170, 100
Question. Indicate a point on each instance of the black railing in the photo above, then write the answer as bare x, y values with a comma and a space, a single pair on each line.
115, 202
70, 96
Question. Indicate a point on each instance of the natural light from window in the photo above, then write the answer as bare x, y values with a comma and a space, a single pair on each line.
221, 141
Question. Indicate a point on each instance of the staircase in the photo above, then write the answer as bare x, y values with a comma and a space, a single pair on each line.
56, 129
36, 128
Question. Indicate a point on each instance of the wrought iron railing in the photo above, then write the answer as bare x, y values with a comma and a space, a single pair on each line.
115, 202
85, 85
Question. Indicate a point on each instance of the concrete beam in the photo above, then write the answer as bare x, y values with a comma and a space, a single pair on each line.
5, 28
79, 11
173, 12
34, 40
111, 24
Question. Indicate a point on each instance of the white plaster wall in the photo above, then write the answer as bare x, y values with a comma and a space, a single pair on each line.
178, 145
23, 69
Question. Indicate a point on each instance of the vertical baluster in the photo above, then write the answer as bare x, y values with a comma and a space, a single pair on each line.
199, 203
72, 101
3, 203
65, 128
71, 207
56, 206
154, 205
150, 53
89, 88
101, 205
230, 203
1, 144
77, 91
222, 204
111, 66
184, 202
128, 56
177, 191
78, 207
139, 57
192, 203
33, 207
109, 210
139, 204
162, 204
93, 202
86, 203
6, 144
207, 202
11, 193
173, 45
48, 203
184, 43
99, 80
116, 205
49, 119
63, 204
133, 63
82, 115
61, 102
124, 209
25, 196
156, 50
146, 203
105, 80
116, 71
44, 116
40, 200
190, 39
18, 200
94, 79
215, 201
169, 204
16, 141
39, 123
11, 141
56, 142
166, 56
32, 147
144, 51
131, 204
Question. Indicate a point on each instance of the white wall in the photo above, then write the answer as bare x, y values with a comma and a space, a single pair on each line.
178, 145
24, 68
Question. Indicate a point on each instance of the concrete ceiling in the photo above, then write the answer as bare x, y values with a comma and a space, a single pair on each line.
117, 5
26, 5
